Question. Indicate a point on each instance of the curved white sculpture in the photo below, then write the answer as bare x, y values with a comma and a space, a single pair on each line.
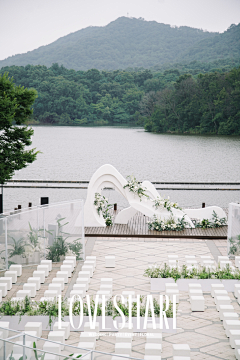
108, 176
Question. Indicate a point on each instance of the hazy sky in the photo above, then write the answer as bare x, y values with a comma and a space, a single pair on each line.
27, 24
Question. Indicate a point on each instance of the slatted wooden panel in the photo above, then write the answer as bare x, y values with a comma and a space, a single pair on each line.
137, 227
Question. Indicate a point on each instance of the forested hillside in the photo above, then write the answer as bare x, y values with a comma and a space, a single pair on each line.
226, 45
125, 42
168, 101
209, 104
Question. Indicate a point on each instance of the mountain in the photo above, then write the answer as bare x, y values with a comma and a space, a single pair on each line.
129, 42
125, 42
220, 46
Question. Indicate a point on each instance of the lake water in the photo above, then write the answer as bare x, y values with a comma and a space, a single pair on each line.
75, 153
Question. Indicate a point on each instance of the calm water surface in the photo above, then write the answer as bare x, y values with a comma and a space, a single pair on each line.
74, 153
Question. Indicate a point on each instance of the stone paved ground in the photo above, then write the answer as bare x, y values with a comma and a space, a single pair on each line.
203, 331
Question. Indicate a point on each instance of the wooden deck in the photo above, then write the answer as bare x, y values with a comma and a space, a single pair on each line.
137, 227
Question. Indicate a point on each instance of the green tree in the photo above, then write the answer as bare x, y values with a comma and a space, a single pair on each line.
15, 109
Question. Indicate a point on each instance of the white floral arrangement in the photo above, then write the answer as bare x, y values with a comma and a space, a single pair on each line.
215, 222
170, 224
162, 203
135, 187
102, 206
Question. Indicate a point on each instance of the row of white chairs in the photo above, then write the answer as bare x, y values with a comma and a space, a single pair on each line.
230, 318
10, 277
205, 260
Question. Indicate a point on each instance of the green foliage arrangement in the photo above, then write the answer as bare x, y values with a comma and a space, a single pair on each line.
103, 207
50, 308
161, 203
60, 246
202, 273
215, 222
234, 245
170, 224
17, 247
135, 187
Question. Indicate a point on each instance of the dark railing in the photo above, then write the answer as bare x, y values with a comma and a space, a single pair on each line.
182, 185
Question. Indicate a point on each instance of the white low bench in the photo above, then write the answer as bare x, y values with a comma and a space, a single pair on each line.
153, 349
81, 287
229, 316
89, 268
216, 287
60, 281
83, 281
225, 308
71, 257
34, 326
63, 274
92, 258
40, 274
47, 262
12, 274
84, 274
6, 280
86, 345
69, 263
3, 287
58, 336
88, 337
122, 337
65, 327
67, 268
197, 303
17, 268
50, 293
18, 349
57, 287
234, 335
110, 261
231, 325
23, 293
154, 338
222, 300
52, 347
218, 292
123, 348
181, 350
32, 287
43, 268
35, 280
195, 292
81, 293
106, 288
171, 292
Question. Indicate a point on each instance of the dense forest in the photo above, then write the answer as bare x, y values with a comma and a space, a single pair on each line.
129, 42
173, 100
209, 104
